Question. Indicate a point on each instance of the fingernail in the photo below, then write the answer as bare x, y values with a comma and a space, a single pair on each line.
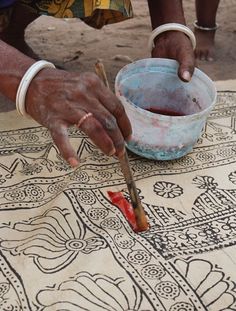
210, 59
112, 152
186, 76
73, 162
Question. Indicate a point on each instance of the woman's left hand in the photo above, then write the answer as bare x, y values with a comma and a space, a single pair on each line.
176, 45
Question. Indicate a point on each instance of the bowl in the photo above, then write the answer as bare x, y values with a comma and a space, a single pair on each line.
167, 115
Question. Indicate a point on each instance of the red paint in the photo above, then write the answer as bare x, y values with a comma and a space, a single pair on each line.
165, 112
118, 199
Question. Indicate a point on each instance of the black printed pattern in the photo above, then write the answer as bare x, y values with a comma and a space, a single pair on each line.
64, 246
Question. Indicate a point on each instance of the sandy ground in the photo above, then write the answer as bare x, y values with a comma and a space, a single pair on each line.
75, 46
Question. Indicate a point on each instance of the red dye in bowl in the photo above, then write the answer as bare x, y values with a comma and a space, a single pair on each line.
165, 112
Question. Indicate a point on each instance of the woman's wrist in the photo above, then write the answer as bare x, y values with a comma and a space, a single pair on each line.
166, 11
13, 66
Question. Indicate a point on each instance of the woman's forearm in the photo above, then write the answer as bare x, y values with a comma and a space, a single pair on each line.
166, 11
13, 65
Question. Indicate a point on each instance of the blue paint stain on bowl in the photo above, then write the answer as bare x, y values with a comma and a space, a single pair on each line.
153, 84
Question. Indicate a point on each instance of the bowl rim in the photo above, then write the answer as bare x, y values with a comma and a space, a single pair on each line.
174, 64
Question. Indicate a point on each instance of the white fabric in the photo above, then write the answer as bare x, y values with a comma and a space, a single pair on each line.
64, 246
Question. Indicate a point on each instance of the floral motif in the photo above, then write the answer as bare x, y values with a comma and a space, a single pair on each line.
34, 193
153, 272
91, 292
205, 182
85, 197
140, 257
31, 192
167, 190
205, 283
97, 213
57, 187
80, 176
15, 195
111, 223
124, 241
232, 177
167, 290
49, 239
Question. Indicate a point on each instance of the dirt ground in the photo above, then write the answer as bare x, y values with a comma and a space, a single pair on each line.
75, 46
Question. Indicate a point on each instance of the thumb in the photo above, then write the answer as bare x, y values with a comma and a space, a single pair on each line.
186, 61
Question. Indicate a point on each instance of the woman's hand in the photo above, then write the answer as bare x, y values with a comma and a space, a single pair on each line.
176, 45
172, 44
58, 99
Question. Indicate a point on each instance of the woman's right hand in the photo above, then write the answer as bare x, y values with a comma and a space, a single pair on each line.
58, 99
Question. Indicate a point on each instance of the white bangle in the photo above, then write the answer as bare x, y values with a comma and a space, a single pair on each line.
195, 24
171, 27
25, 82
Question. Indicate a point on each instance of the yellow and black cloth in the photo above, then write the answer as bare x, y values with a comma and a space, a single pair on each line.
95, 13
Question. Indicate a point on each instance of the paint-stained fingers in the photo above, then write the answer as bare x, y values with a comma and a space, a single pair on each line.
60, 137
96, 132
111, 127
98, 124
115, 107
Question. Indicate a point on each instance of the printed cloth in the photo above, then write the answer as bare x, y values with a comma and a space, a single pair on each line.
64, 246
95, 13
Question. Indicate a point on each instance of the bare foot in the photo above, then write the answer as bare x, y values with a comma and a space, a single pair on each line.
205, 44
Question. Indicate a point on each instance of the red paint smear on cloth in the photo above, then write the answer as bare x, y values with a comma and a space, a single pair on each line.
118, 199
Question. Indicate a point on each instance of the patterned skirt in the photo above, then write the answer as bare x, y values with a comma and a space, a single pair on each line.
95, 13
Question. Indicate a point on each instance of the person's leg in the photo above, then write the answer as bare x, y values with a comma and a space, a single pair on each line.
12, 31
206, 17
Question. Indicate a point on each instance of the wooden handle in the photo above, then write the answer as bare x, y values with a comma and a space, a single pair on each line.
100, 71
140, 215
141, 219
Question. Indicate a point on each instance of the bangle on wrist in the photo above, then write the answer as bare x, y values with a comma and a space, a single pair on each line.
171, 27
195, 24
25, 82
